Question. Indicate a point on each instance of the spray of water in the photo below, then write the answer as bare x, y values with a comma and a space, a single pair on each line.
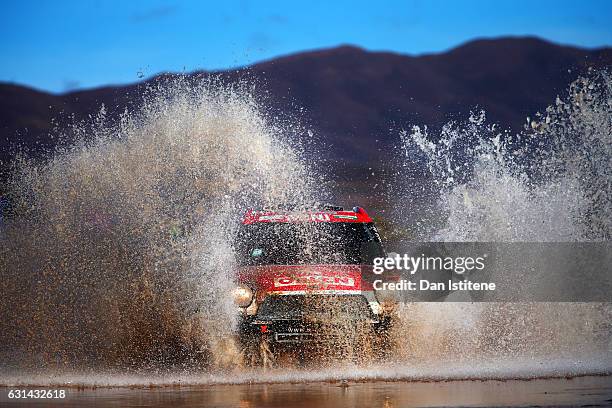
121, 239
551, 182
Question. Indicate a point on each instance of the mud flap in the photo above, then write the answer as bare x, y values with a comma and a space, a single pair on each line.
383, 339
257, 352
265, 353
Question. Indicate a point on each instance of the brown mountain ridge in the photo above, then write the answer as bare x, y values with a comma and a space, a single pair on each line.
355, 100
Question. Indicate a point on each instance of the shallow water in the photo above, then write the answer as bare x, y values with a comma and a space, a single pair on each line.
581, 391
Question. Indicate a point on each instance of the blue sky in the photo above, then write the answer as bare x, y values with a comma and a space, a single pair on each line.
61, 45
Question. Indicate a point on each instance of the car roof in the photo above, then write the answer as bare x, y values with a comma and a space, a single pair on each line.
267, 216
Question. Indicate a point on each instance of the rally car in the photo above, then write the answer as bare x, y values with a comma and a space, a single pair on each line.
305, 280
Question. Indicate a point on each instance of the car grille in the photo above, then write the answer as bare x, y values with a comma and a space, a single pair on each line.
321, 308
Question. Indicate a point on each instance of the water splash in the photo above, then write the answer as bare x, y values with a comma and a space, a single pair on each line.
121, 238
550, 182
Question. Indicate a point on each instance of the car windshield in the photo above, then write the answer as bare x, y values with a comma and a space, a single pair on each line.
308, 243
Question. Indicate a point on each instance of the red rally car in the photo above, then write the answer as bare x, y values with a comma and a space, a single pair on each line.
305, 279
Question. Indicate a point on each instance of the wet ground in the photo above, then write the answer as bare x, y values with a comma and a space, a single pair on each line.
580, 391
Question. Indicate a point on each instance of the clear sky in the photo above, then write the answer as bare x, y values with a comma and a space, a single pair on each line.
61, 45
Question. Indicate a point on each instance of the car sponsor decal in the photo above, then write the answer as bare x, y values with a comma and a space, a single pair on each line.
333, 216
273, 217
284, 279
346, 217
314, 280
319, 217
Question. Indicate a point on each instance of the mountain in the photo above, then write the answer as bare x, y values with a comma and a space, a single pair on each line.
355, 100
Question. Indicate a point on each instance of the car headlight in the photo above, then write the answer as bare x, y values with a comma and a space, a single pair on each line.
243, 296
